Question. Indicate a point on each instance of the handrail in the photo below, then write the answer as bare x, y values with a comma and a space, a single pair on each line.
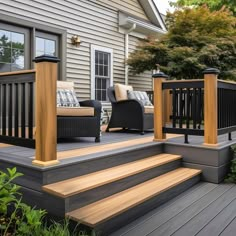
17, 108
193, 110
17, 72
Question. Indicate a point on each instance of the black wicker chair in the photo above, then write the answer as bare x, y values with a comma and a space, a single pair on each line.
128, 114
80, 126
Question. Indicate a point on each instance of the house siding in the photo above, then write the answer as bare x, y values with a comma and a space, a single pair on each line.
96, 22
132, 7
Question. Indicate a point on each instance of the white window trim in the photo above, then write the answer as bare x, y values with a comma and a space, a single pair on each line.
102, 49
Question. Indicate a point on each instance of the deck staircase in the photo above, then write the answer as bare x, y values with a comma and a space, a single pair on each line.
108, 199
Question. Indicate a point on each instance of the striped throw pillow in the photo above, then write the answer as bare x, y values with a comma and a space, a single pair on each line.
141, 96
67, 98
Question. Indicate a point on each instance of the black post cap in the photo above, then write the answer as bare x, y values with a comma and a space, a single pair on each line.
160, 75
46, 58
211, 71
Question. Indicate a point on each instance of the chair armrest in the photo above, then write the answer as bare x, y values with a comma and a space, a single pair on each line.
92, 103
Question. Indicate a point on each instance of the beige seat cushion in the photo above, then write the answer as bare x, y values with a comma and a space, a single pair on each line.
75, 111
148, 109
121, 91
65, 85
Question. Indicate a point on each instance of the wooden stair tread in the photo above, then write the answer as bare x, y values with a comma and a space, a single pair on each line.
116, 204
83, 183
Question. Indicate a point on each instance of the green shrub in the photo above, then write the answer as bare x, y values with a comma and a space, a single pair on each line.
17, 218
231, 177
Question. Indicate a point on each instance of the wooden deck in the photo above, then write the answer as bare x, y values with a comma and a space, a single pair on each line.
78, 147
204, 210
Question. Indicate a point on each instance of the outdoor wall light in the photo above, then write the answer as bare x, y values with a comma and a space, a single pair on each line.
75, 40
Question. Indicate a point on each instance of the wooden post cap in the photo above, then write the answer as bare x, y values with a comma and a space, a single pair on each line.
160, 75
46, 58
213, 71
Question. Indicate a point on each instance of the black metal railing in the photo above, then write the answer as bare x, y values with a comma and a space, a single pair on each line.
17, 108
226, 107
187, 107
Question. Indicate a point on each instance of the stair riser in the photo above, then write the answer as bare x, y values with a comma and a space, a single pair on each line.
96, 164
123, 219
93, 195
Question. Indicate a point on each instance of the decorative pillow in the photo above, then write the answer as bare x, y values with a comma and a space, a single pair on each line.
121, 91
67, 98
141, 96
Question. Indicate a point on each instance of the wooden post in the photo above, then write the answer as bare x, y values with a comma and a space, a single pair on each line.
159, 107
46, 117
210, 106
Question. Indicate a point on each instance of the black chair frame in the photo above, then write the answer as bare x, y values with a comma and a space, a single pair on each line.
81, 126
128, 114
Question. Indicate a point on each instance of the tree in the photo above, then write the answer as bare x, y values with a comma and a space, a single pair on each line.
212, 4
197, 39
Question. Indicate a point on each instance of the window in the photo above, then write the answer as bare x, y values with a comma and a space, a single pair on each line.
19, 45
101, 71
14, 48
46, 44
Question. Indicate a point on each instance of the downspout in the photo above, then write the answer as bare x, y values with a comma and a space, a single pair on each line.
127, 52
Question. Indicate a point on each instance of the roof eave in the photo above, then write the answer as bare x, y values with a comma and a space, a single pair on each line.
153, 14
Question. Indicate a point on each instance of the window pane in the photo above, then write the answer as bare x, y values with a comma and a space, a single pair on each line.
104, 95
96, 57
5, 38
96, 69
45, 46
14, 44
106, 59
17, 40
39, 53
5, 55
17, 59
99, 84
105, 70
50, 47
39, 46
100, 58
100, 70
5, 67
99, 97
104, 84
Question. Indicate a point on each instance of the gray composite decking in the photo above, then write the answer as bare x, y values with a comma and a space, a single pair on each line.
204, 210
75, 143
111, 137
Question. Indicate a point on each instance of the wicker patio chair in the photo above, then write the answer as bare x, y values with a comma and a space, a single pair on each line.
82, 121
129, 114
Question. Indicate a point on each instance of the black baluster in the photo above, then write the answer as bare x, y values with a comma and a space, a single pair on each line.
16, 121
180, 109
194, 108
188, 108
174, 108
199, 107
31, 97
10, 110
23, 110
4, 109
